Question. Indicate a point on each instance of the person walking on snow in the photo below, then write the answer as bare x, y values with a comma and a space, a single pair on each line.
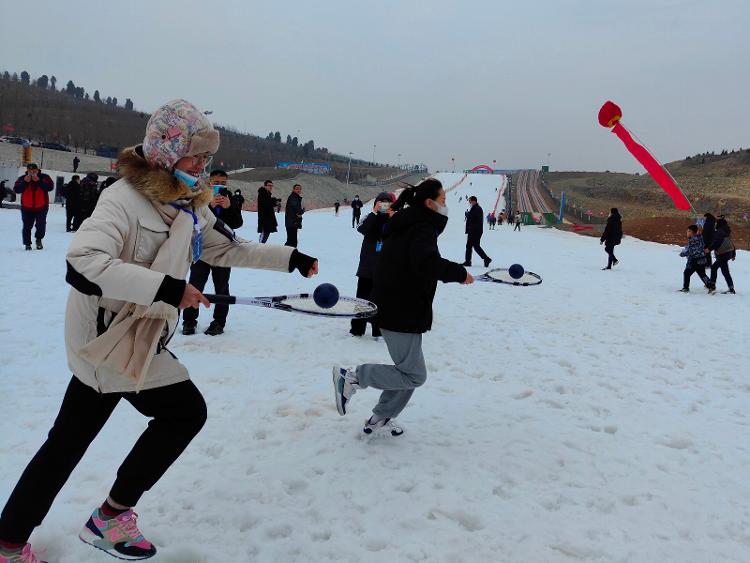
293, 215
356, 211
696, 258
725, 251
34, 187
474, 230
127, 266
406, 276
611, 237
518, 222
76, 162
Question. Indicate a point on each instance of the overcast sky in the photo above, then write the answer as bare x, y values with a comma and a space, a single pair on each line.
505, 80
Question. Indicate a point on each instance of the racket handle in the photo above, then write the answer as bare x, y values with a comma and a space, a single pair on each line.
221, 299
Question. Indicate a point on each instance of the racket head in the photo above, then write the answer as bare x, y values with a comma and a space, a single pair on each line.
346, 307
502, 275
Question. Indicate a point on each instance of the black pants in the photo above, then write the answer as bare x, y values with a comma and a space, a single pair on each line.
355, 218
517, 227
610, 250
722, 263
71, 212
291, 237
364, 291
198, 277
29, 219
693, 269
263, 237
472, 242
177, 413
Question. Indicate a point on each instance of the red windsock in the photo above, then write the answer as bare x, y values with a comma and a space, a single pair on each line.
610, 115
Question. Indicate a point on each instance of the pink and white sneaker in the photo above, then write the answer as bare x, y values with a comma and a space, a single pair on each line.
118, 536
23, 555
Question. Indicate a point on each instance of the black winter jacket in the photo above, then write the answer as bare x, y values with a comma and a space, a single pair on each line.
719, 236
293, 212
475, 220
408, 269
357, 206
709, 230
232, 215
372, 229
613, 231
266, 216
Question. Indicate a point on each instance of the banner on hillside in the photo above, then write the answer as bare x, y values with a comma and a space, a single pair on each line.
319, 168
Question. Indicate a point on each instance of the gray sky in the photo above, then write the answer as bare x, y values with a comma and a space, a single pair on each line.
483, 80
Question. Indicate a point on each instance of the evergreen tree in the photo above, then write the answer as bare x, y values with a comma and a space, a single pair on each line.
97, 99
25, 77
6, 75
109, 100
129, 104
70, 88
288, 139
14, 78
114, 101
42, 81
295, 142
53, 83
277, 137
86, 96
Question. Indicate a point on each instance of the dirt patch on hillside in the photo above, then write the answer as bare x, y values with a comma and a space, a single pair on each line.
671, 230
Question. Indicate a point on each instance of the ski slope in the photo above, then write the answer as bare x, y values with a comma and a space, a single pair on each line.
599, 417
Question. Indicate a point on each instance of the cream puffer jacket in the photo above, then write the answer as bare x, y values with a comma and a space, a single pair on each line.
109, 260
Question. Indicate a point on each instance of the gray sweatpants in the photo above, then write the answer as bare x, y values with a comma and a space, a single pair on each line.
398, 381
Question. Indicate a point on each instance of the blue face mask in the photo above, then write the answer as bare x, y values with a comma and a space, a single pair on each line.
189, 180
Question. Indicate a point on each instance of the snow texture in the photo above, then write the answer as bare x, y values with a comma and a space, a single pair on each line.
598, 417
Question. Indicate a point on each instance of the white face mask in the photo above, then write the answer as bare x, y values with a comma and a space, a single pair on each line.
442, 209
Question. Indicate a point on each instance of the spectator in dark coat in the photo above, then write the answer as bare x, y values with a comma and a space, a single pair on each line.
72, 202
293, 215
406, 276
89, 197
611, 237
725, 251
336, 207
224, 206
372, 228
356, 211
709, 228
266, 217
238, 199
34, 187
3, 193
76, 162
105, 184
474, 230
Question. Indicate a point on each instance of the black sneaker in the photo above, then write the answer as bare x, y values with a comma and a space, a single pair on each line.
39, 245
467, 264
487, 262
684, 290
214, 329
188, 329
27, 247
729, 291
615, 263
385, 423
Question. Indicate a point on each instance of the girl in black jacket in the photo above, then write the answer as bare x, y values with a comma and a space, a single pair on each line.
372, 228
724, 249
406, 276
611, 237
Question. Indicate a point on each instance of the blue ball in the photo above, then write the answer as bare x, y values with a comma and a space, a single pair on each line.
326, 295
516, 271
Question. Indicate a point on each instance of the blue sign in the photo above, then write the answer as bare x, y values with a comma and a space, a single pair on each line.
319, 168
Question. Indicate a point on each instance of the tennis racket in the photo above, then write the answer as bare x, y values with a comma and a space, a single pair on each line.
501, 275
346, 307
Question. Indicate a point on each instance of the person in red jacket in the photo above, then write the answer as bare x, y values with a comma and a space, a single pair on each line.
34, 187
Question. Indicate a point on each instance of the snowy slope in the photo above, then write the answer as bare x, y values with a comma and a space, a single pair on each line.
598, 417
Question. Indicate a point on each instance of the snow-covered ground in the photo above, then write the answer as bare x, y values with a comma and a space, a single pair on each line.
598, 417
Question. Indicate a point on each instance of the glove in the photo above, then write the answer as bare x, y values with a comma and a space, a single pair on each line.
301, 262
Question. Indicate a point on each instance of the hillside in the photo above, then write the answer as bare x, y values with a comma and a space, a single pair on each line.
71, 118
716, 183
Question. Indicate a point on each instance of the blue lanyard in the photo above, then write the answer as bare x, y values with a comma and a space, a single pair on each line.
196, 241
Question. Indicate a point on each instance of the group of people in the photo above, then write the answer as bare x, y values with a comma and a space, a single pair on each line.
80, 197
714, 235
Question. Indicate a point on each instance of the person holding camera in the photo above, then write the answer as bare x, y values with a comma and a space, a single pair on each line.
34, 187
224, 207
372, 228
266, 217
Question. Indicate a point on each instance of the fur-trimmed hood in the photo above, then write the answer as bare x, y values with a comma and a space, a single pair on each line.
156, 183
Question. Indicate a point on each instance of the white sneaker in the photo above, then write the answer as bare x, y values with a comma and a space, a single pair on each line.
384, 423
344, 386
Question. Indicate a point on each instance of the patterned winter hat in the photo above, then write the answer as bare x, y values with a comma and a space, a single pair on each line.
175, 130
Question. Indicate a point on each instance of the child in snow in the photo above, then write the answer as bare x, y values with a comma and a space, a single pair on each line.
406, 277
127, 266
696, 258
